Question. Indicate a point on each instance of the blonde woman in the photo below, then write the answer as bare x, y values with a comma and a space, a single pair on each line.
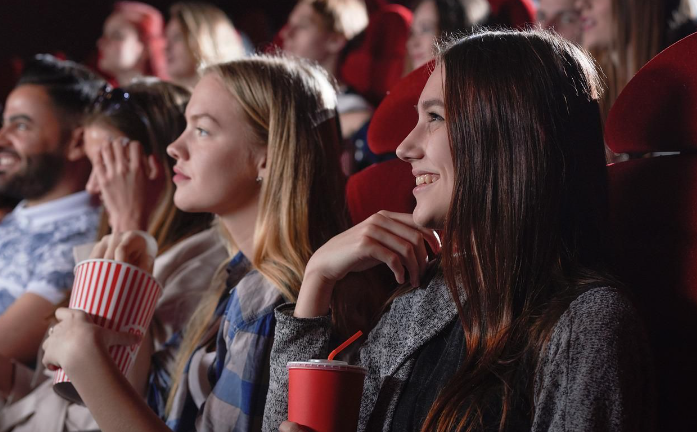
198, 34
261, 151
125, 139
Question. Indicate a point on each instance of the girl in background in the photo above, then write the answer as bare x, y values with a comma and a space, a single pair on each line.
132, 43
198, 34
436, 18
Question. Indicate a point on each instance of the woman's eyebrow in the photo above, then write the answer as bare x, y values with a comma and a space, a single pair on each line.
431, 103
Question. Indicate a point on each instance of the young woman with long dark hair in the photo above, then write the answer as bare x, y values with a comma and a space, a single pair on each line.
515, 326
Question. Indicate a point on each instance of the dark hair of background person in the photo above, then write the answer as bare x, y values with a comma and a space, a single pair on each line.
526, 221
458, 16
154, 116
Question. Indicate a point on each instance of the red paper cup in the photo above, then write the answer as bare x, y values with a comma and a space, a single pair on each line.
117, 296
325, 395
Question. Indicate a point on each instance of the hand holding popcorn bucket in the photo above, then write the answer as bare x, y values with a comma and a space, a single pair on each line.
117, 296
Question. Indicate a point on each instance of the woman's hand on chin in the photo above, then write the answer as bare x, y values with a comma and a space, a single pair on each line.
75, 342
385, 237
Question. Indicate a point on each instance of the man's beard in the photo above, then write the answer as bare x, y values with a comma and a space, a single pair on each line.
36, 178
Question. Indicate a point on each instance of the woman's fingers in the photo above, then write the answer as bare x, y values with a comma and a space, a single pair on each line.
113, 242
135, 155
409, 233
396, 251
99, 249
287, 426
108, 161
118, 150
113, 338
429, 235
63, 314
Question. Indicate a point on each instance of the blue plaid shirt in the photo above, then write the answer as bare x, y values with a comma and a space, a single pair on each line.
238, 377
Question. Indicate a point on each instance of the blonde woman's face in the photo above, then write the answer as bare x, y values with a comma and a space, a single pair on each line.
217, 157
120, 49
423, 33
596, 23
181, 63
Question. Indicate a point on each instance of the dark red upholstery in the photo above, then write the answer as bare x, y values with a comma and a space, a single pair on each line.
378, 62
388, 185
513, 13
653, 205
643, 126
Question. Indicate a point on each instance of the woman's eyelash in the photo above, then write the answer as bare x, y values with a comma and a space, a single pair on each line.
434, 117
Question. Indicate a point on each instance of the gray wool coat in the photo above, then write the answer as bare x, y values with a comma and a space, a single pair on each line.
594, 374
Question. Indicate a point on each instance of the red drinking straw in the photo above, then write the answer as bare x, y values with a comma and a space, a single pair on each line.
341, 347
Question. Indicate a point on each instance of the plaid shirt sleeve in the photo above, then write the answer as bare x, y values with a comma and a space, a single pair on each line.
240, 373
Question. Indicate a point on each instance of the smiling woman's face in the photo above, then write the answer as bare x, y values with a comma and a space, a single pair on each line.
217, 157
427, 149
596, 23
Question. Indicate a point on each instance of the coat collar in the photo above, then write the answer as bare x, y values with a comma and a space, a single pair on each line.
414, 319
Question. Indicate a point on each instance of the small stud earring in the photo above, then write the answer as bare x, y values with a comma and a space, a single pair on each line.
259, 179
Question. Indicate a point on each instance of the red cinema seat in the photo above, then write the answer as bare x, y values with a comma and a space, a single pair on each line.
377, 63
653, 215
388, 185
513, 13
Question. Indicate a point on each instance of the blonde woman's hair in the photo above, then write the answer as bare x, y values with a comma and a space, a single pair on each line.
290, 106
154, 116
209, 34
345, 17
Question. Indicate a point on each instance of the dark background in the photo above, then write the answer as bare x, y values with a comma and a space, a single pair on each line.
72, 27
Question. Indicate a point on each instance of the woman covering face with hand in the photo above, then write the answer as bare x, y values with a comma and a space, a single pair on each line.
515, 326
260, 151
125, 138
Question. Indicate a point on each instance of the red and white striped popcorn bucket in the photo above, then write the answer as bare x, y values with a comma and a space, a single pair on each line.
117, 296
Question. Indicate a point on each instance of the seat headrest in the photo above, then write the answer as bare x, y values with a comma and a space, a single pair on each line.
395, 117
377, 63
657, 110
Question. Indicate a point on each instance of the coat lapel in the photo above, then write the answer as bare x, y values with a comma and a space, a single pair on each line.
416, 318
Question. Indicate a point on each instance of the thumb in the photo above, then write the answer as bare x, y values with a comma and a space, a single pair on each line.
287, 426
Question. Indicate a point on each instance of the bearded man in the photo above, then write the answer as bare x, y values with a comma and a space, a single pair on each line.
42, 161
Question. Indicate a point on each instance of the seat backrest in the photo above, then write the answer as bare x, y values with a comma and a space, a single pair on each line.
653, 217
388, 185
377, 63
513, 13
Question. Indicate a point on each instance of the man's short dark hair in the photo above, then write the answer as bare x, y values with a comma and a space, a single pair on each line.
71, 86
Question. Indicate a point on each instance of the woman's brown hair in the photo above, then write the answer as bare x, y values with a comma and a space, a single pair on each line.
523, 236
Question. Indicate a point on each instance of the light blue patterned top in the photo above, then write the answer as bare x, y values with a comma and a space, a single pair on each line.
36, 247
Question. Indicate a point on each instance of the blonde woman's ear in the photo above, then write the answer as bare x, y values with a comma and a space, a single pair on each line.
261, 166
